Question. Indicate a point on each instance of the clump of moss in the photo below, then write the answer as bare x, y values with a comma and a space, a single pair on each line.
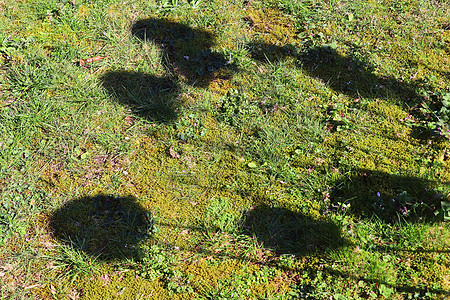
123, 286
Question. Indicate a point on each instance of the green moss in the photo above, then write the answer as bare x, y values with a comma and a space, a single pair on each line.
313, 141
123, 286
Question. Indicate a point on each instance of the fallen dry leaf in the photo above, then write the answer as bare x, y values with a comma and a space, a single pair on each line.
83, 62
32, 286
173, 154
129, 120
105, 278
74, 294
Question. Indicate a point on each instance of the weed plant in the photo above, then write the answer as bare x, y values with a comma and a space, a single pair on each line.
220, 149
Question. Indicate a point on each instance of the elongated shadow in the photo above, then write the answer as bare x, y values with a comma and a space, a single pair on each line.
289, 232
344, 74
103, 226
147, 96
389, 197
351, 76
172, 37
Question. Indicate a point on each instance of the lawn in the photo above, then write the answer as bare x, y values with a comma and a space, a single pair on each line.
224, 149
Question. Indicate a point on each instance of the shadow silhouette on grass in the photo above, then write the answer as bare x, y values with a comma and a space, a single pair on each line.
352, 76
147, 96
187, 51
103, 226
389, 197
288, 232
344, 74
188, 57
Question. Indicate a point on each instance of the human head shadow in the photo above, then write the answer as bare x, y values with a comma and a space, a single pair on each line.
103, 226
289, 232
348, 75
147, 96
188, 51
389, 197
189, 58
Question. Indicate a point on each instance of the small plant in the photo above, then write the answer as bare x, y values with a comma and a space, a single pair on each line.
11, 223
436, 116
33, 75
222, 215
17, 203
239, 56
169, 3
74, 263
337, 118
444, 211
389, 208
207, 61
190, 127
195, 3
310, 16
10, 47
235, 107
179, 283
157, 263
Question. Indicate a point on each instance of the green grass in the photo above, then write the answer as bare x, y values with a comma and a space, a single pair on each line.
224, 149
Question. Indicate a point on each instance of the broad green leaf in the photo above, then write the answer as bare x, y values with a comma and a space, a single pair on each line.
351, 17
252, 165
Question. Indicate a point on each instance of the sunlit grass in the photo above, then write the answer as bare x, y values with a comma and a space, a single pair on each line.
277, 149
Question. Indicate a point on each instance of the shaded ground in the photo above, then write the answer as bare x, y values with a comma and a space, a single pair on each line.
289, 232
387, 196
147, 96
102, 226
344, 74
189, 58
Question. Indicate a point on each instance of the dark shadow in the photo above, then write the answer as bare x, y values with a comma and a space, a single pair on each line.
189, 58
147, 96
344, 74
288, 232
351, 76
103, 226
188, 51
389, 197
264, 52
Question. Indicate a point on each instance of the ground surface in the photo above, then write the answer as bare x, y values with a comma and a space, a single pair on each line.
224, 149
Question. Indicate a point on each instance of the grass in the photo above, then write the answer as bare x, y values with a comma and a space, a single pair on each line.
224, 149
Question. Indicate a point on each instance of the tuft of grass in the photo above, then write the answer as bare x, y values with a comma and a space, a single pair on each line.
73, 263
